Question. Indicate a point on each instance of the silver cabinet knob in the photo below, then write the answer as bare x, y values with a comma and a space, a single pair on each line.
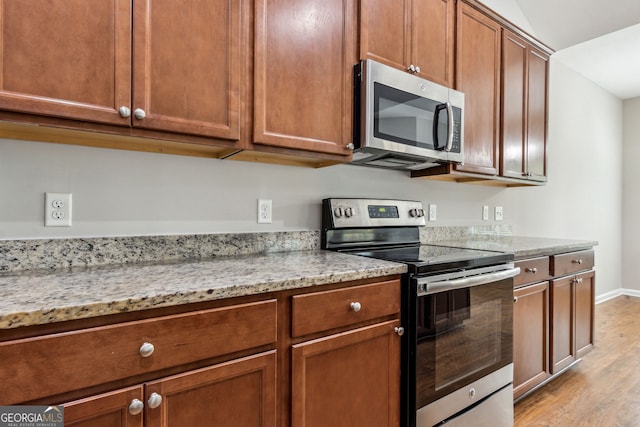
356, 306
577, 261
531, 270
515, 299
411, 68
124, 111
350, 146
154, 400
399, 330
147, 349
136, 406
139, 113
417, 69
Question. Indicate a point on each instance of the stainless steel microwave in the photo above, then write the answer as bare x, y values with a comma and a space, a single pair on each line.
402, 121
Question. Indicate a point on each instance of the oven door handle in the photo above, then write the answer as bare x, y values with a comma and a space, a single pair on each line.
427, 287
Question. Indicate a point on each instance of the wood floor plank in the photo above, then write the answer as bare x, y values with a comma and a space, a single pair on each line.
602, 390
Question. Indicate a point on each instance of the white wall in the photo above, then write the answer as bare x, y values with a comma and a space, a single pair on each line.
631, 195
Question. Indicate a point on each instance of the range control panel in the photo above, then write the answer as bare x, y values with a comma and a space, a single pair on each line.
348, 213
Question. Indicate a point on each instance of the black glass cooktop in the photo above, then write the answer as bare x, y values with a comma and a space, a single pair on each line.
427, 258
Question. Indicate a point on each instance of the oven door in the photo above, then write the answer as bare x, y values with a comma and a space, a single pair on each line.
460, 334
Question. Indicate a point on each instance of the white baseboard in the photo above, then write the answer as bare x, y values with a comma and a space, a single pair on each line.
617, 293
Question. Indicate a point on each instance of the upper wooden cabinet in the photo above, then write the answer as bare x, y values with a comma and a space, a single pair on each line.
73, 60
69, 59
478, 76
305, 51
418, 33
188, 66
524, 109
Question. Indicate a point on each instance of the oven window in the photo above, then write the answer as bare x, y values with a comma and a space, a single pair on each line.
462, 336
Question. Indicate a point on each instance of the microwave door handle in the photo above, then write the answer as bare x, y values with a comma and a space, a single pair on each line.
449, 128
436, 122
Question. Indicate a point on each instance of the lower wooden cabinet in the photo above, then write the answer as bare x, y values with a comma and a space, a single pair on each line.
118, 408
241, 392
553, 316
530, 337
572, 309
345, 362
348, 379
322, 357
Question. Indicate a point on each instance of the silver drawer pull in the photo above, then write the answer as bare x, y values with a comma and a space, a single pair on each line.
356, 306
136, 406
577, 261
147, 349
532, 270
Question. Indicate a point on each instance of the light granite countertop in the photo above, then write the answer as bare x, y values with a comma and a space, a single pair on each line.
520, 246
35, 297
47, 281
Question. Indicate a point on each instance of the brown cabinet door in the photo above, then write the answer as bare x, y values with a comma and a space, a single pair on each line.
584, 309
187, 66
106, 410
385, 32
562, 320
537, 115
478, 76
410, 32
524, 109
530, 337
237, 393
66, 58
432, 39
514, 106
348, 379
303, 74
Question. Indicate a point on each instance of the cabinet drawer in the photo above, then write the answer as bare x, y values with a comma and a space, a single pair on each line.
532, 270
572, 262
322, 311
43, 366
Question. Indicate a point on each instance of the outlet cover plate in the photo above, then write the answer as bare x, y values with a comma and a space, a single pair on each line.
264, 211
57, 210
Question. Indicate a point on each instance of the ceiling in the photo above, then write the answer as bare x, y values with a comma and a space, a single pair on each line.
598, 39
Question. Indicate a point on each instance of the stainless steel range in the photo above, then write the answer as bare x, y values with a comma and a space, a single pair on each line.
457, 311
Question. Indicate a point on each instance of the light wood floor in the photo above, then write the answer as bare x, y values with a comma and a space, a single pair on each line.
604, 388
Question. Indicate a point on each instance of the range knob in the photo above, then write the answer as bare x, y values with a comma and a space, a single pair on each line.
416, 213
337, 212
348, 212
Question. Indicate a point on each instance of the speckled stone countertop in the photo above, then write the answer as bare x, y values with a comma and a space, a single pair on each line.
46, 296
521, 247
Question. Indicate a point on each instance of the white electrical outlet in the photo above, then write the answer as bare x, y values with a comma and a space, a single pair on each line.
499, 213
57, 210
485, 213
433, 212
264, 211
